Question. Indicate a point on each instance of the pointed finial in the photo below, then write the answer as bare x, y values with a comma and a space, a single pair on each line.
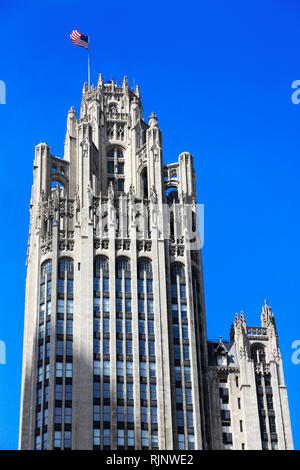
85, 87
100, 80
125, 82
153, 120
137, 91
72, 111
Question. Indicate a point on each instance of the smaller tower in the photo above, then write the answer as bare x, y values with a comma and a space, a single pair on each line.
249, 405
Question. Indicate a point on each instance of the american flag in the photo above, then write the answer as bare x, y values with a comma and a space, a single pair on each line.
79, 39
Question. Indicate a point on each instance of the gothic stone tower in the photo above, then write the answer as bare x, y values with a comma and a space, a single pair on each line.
115, 342
248, 400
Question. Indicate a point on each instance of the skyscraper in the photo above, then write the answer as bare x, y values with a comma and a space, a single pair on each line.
115, 348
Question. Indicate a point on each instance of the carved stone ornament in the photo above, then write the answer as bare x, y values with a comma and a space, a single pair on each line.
243, 352
85, 146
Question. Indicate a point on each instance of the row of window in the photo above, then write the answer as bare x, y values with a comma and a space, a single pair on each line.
64, 350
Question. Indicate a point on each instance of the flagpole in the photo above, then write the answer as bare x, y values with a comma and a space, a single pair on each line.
89, 81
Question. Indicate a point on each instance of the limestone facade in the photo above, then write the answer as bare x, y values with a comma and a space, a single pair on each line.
115, 348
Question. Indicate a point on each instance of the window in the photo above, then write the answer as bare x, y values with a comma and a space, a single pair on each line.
121, 168
151, 327
153, 412
110, 167
176, 351
151, 345
119, 305
191, 441
68, 415
119, 346
120, 437
105, 284
58, 392
123, 264
154, 440
130, 414
142, 347
106, 390
59, 348
178, 395
129, 390
143, 370
58, 415
129, 368
57, 439
69, 329
60, 327
188, 396
143, 391
130, 437
189, 418
121, 182
181, 442
186, 352
68, 392
141, 305
106, 368
106, 437
153, 392
59, 369
96, 391
178, 377
105, 305
96, 367
60, 286
105, 325
38, 442
129, 346
69, 348
180, 421
120, 413
120, 369
60, 306
144, 414
69, 369
96, 437
120, 390
46, 268
140, 285
105, 346
127, 285
101, 264
174, 290
106, 413
150, 306
182, 290
142, 326
65, 264
152, 369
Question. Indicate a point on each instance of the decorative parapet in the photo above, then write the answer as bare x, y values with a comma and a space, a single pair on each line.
256, 331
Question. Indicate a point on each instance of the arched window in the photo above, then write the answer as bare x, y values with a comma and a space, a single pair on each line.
101, 263
115, 168
46, 267
177, 269
123, 264
115, 152
258, 353
145, 265
144, 181
65, 264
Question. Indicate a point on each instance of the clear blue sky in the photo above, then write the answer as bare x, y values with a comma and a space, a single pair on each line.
218, 75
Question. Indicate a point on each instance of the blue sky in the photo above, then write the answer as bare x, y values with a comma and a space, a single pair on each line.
218, 75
